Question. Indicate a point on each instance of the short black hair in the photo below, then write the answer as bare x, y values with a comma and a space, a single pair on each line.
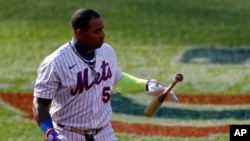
81, 18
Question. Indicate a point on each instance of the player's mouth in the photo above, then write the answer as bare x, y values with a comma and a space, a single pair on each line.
101, 41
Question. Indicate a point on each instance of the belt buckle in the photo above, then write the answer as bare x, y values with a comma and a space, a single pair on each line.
91, 131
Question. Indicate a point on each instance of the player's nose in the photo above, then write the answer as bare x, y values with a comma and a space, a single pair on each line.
102, 35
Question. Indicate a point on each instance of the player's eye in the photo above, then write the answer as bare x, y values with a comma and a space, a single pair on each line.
98, 31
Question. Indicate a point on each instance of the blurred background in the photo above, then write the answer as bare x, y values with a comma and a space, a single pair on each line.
207, 41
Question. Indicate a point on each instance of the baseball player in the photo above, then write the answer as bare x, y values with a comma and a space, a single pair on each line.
73, 86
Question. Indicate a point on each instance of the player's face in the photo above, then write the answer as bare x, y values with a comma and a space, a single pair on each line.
93, 35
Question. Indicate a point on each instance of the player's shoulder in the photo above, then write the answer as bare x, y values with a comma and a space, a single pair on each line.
106, 48
57, 54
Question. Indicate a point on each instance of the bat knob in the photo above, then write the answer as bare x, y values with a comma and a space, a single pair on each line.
179, 77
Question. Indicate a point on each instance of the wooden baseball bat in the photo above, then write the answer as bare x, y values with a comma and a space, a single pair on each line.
156, 103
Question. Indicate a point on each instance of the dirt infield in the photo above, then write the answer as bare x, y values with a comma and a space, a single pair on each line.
18, 100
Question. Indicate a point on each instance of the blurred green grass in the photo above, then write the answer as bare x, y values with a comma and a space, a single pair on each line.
149, 38
153, 33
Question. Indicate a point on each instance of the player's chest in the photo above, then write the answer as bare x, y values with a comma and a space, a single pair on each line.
77, 73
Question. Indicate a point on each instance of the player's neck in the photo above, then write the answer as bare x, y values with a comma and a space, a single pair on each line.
86, 54
80, 48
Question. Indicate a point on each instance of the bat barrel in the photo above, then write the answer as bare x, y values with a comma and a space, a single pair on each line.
152, 107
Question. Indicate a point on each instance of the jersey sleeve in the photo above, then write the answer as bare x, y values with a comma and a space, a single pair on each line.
118, 75
47, 80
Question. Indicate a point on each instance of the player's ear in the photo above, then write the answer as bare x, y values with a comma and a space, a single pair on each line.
78, 33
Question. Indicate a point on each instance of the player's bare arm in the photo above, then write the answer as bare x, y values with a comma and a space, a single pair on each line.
43, 118
41, 109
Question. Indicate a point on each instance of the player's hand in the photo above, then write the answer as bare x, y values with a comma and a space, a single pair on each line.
154, 87
172, 96
54, 136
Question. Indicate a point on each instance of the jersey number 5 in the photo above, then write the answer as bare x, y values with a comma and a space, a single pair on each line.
106, 94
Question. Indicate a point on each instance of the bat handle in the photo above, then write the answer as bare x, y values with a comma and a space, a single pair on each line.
163, 95
178, 78
156, 103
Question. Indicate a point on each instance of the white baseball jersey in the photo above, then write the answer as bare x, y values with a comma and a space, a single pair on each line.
80, 99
